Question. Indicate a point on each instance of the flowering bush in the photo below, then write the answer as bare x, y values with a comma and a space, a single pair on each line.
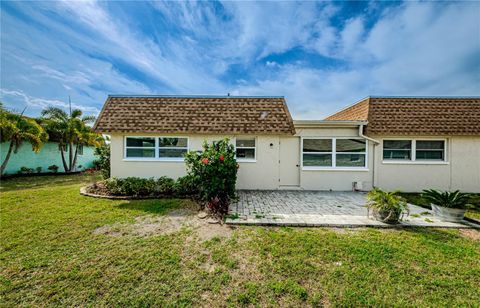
215, 172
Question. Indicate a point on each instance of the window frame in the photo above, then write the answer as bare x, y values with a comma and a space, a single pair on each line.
334, 153
413, 152
80, 149
246, 160
156, 149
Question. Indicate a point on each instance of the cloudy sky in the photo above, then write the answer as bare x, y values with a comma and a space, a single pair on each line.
320, 55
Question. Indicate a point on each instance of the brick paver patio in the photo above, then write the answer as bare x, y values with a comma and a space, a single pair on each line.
318, 208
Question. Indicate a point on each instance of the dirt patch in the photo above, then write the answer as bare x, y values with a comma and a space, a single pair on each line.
470, 234
172, 222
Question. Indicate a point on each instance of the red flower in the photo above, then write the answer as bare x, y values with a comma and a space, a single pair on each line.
222, 158
205, 160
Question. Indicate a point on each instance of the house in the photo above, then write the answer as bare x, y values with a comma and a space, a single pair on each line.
388, 142
49, 155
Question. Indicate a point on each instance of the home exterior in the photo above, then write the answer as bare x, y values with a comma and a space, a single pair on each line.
388, 142
49, 155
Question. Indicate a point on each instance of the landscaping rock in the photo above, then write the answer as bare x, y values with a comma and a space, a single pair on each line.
202, 215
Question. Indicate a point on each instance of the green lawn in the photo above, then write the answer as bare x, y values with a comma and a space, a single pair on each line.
51, 255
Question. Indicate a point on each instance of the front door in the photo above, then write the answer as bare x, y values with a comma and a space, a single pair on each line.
289, 162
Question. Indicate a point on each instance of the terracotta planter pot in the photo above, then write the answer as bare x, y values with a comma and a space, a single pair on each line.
448, 214
389, 217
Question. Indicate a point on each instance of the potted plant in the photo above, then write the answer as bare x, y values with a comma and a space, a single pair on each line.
448, 206
387, 207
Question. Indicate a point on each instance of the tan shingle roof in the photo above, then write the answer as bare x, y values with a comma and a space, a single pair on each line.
416, 115
195, 114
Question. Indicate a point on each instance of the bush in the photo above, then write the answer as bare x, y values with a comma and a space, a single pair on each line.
53, 168
103, 161
131, 186
186, 186
25, 170
215, 172
165, 186
38, 169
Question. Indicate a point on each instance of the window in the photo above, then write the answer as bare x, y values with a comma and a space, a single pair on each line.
430, 150
397, 149
245, 149
160, 148
140, 147
414, 150
172, 147
64, 146
80, 149
334, 153
317, 152
350, 152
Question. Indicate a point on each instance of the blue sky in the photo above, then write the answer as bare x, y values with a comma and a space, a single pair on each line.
321, 56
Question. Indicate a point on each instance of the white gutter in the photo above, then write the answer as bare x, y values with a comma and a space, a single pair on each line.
360, 133
375, 143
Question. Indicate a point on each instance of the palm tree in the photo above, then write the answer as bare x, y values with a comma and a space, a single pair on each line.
16, 128
71, 130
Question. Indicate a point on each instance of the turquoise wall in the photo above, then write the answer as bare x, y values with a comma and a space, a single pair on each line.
48, 155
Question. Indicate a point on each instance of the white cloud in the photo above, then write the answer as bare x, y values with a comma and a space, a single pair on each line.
37, 102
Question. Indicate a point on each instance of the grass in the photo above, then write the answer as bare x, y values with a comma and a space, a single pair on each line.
416, 198
50, 256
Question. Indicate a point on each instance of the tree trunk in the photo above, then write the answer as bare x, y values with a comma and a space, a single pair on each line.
65, 167
70, 157
4, 164
75, 158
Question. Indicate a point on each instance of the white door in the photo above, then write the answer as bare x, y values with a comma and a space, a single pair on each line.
289, 161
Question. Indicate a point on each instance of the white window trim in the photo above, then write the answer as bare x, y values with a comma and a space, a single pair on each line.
413, 153
246, 160
156, 148
334, 155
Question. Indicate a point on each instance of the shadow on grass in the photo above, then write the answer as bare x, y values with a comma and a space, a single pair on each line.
32, 182
436, 234
156, 206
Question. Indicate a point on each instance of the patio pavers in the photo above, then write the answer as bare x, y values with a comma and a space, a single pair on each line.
320, 208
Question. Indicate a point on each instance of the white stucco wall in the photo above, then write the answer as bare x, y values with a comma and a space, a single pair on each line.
262, 174
340, 180
460, 171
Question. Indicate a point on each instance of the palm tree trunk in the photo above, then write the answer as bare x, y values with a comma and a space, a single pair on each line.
70, 158
75, 157
4, 164
65, 167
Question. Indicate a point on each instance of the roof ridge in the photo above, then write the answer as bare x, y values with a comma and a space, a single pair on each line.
196, 96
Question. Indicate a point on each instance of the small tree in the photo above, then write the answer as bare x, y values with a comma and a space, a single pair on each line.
103, 161
16, 129
71, 130
215, 172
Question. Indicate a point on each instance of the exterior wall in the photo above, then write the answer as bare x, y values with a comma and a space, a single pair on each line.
339, 180
262, 174
48, 155
460, 171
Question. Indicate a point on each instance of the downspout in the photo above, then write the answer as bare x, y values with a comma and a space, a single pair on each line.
375, 143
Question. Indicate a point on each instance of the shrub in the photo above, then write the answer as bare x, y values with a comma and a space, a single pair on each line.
25, 170
186, 186
38, 169
165, 186
454, 200
103, 161
387, 207
53, 168
215, 172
